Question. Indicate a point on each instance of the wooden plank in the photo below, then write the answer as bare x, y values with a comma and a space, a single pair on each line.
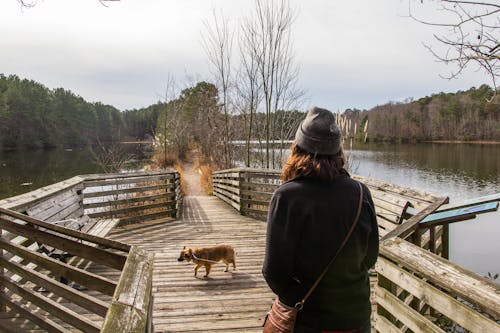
120, 211
145, 217
53, 203
66, 212
136, 189
228, 195
460, 281
470, 202
383, 325
52, 307
231, 189
221, 196
126, 180
130, 306
458, 312
65, 231
59, 268
129, 201
87, 302
29, 199
34, 317
251, 186
234, 183
172, 173
411, 318
403, 230
102, 256
398, 190
105, 227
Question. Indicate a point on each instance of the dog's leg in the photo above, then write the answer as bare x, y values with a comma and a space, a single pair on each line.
207, 270
234, 264
196, 269
227, 266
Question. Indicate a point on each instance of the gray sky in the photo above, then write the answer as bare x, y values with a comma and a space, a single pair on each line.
351, 53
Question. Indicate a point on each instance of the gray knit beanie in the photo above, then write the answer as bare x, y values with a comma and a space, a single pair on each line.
319, 133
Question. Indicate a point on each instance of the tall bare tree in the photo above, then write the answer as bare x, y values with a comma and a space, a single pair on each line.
272, 50
248, 85
470, 34
217, 42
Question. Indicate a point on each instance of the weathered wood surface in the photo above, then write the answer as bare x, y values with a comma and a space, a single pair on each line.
129, 309
234, 301
437, 283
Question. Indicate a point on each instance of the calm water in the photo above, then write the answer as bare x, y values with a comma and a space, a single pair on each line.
461, 171
24, 171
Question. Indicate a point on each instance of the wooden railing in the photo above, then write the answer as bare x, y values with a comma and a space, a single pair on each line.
29, 226
418, 290
132, 197
250, 190
421, 292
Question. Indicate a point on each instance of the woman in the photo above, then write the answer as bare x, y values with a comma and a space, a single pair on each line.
309, 217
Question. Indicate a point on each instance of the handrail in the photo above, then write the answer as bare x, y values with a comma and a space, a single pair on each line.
130, 308
28, 221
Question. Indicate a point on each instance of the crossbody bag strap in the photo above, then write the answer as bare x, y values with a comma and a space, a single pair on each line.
300, 304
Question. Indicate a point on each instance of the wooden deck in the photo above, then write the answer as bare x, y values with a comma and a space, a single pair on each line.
225, 302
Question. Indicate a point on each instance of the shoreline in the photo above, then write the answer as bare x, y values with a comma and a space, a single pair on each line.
475, 142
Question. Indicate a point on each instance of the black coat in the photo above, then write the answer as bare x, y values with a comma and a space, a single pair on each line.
308, 220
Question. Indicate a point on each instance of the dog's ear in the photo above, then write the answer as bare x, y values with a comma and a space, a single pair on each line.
190, 251
184, 248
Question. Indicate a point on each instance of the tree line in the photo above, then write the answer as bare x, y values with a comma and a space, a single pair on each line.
33, 116
465, 115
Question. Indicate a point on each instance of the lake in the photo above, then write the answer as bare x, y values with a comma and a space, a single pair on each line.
460, 171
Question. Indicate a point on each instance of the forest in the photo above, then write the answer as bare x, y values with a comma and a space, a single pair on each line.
472, 115
34, 116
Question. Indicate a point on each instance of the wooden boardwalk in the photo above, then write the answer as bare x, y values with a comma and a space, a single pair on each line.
235, 301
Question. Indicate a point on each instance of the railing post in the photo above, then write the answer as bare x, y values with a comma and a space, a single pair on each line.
240, 189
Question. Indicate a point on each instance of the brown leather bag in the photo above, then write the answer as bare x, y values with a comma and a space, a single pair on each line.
281, 318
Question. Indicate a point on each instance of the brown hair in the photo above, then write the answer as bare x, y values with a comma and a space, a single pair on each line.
303, 163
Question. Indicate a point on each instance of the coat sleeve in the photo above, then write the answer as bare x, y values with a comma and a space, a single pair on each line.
373, 239
280, 247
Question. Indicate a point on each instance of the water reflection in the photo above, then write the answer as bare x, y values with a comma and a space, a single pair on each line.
37, 168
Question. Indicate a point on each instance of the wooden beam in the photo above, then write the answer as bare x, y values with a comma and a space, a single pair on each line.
52, 307
128, 201
92, 253
42, 321
128, 175
403, 230
88, 279
85, 301
130, 306
66, 231
126, 180
119, 211
136, 189
459, 281
408, 316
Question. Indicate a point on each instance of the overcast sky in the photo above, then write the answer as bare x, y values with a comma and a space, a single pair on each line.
351, 53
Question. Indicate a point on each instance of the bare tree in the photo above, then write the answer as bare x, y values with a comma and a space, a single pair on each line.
470, 34
248, 85
273, 53
217, 42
